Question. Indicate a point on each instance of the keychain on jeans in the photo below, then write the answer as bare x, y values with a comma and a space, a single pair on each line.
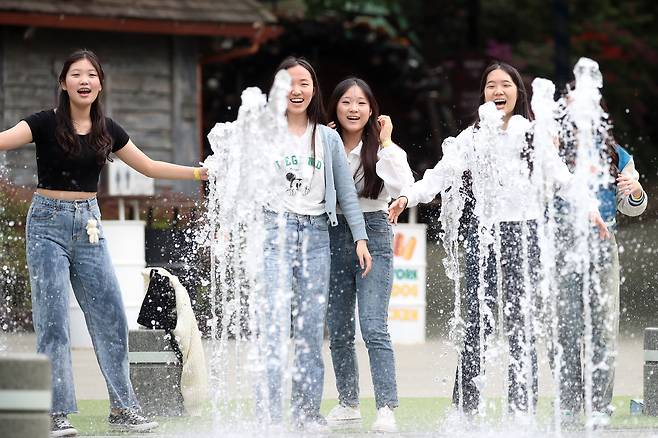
92, 230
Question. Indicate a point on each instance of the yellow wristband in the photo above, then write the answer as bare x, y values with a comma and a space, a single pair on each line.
387, 143
197, 173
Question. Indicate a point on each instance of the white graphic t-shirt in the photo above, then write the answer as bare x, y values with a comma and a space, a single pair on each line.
302, 174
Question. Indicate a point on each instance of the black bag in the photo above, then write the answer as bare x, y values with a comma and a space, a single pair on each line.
158, 309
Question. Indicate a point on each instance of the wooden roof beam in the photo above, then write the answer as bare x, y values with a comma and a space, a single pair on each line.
132, 25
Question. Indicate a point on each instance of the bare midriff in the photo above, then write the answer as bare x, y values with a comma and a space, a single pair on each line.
66, 195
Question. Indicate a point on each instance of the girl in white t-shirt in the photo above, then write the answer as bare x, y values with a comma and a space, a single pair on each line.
316, 176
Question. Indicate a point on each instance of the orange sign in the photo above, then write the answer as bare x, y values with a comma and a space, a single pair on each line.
404, 290
404, 247
400, 314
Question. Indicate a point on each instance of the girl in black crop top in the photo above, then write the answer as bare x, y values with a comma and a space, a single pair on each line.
65, 241
74, 141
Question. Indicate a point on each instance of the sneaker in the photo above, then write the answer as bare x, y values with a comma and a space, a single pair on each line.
61, 426
385, 421
599, 420
128, 420
343, 415
314, 423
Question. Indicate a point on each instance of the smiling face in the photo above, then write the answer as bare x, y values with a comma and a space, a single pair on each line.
501, 90
301, 91
82, 83
353, 110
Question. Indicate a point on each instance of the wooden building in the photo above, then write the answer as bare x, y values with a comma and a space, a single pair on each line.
152, 53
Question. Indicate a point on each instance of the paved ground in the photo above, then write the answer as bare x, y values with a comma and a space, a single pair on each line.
425, 370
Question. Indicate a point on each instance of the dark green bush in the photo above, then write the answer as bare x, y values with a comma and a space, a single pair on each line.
15, 304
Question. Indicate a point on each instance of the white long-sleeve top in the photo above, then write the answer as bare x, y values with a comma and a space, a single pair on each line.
514, 189
392, 167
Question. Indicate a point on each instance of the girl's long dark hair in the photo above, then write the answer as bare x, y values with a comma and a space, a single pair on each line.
315, 110
99, 137
372, 183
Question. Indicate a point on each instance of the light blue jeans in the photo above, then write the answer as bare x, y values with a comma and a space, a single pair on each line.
59, 255
372, 294
297, 276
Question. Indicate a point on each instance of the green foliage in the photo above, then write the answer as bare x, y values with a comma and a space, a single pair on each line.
16, 306
620, 35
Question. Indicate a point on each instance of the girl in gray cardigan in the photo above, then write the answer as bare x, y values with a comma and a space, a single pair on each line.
314, 170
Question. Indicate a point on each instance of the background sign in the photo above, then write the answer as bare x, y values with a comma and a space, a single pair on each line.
406, 311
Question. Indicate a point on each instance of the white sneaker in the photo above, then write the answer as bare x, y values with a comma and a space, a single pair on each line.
343, 415
599, 419
385, 421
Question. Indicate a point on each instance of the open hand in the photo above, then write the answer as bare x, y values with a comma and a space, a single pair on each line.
629, 185
385, 128
597, 220
396, 208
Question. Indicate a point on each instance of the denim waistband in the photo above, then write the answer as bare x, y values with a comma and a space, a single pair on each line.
61, 204
289, 214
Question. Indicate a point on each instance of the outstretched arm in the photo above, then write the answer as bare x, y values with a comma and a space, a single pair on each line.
15, 137
138, 160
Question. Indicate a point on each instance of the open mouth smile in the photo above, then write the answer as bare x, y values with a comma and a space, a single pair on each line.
500, 103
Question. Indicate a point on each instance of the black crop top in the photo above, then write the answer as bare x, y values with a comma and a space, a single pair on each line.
56, 171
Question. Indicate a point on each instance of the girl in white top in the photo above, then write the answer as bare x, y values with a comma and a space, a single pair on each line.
380, 171
507, 171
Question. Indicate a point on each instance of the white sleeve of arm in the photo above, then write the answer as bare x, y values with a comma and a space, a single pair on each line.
625, 203
393, 168
567, 183
426, 189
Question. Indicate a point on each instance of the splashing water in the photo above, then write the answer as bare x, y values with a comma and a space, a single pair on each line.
480, 168
241, 184
525, 156
584, 127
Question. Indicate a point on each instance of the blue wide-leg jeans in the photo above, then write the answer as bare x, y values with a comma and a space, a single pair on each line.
60, 255
297, 276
